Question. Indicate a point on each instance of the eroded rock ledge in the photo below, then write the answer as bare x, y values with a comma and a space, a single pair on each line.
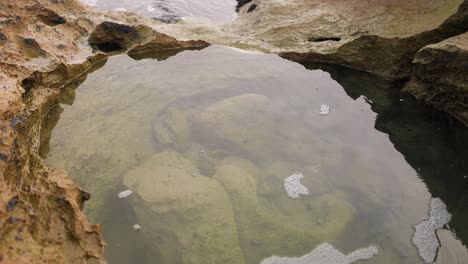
47, 45
440, 76
438, 72
43, 48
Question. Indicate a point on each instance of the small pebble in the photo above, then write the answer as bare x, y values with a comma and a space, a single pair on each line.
136, 227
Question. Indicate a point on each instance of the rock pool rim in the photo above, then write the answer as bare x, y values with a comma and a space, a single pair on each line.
22, 143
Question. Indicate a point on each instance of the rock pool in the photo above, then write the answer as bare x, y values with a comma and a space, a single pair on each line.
205, 139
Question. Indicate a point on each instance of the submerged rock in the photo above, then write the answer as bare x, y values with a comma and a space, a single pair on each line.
43, 48
289, 226
326, 254
171, 129
187, 219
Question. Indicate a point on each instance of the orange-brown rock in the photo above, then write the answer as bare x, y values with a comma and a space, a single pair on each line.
43, 48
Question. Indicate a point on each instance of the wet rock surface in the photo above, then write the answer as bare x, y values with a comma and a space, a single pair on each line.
399, 57
440, 76
390, 57
288, 25
43, 48
110, 36
163, 46
202, 219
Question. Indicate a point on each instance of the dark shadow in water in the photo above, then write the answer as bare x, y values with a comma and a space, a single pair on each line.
432, 142
161, 54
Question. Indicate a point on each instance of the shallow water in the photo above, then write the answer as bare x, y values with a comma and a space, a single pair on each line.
205, 139
172, 10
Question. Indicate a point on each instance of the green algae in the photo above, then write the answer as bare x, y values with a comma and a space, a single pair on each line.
171, 129
196, 209
264, 232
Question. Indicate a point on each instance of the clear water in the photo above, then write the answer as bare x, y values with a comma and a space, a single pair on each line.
205, 139
172, 10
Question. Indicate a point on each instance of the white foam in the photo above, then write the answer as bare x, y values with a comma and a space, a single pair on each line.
325, 109
425, 236
125, 194
150, 9
326, 254
136, 227
120, 9
89, 2
293, 186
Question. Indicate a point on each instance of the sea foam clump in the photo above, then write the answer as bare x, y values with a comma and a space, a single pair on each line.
293, 186
324, 109
326, 254
425, 237
125, 194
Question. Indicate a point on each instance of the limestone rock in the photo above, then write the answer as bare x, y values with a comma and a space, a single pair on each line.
111, 36
324, 26
43, 46
195, 211
387, 55
440, 76
163, 46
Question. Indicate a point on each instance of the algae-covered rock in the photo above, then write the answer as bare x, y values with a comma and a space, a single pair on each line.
236, 110
185, 217
252, 125
171, 129
265, 230
240, 122
260, 128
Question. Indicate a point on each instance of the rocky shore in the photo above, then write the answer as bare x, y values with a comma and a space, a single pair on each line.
48, 45
434, 60
43, 48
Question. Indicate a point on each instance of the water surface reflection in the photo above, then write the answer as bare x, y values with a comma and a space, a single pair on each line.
205, 139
